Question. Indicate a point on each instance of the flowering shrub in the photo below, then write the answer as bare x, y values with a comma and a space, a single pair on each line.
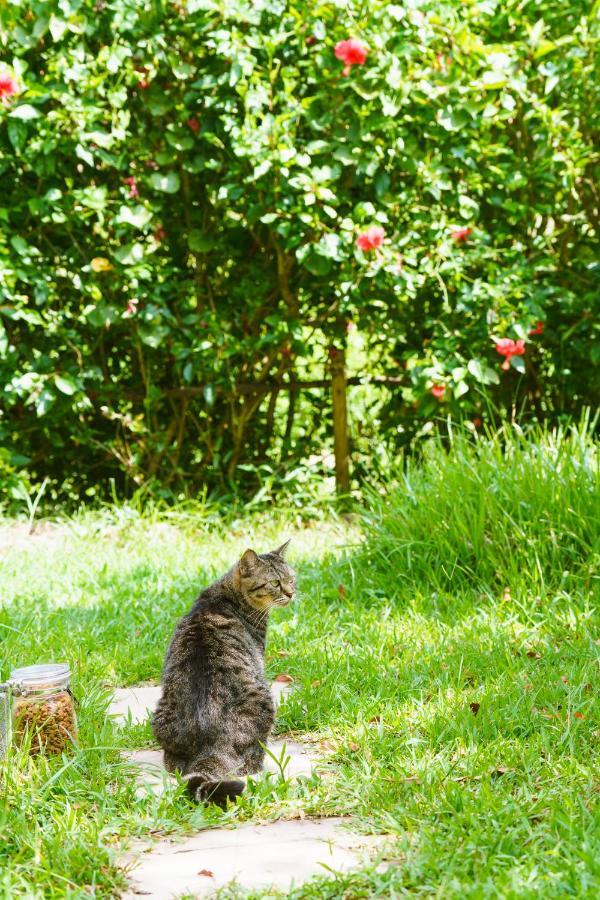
183, 187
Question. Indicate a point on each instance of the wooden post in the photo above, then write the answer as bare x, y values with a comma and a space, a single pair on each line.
340, 420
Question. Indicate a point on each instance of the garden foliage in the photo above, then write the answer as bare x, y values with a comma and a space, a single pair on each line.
200, 196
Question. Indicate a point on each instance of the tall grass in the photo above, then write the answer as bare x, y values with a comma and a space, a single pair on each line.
485, 512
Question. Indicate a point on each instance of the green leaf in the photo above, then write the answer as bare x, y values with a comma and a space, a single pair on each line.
482, 373
57, 27
45, 400
200, 242
518, 363
168, 183
25, 111
153, 335
130, 254
66, 384
317, 264
138, 215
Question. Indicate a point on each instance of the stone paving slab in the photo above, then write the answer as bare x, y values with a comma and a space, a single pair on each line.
281, 854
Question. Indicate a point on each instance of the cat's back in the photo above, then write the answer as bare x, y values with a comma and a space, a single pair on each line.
212, 628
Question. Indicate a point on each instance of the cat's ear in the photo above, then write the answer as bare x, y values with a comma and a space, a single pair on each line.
281, 551
248, 561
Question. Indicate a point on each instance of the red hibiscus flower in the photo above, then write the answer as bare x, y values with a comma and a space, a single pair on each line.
133, 188
370, 239
351, 52
539, 328
194, 124
159, 234
508, 348
438, 391
8, 86
461, 235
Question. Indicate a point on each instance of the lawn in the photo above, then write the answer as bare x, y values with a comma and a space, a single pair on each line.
444, 648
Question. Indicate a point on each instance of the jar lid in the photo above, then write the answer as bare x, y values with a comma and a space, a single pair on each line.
44, 676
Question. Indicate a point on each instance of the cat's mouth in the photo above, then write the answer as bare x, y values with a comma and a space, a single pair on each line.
284, 601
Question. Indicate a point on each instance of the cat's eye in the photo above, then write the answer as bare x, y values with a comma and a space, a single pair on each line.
275, 583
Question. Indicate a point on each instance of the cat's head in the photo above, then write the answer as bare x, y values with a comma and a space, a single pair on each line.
266, 580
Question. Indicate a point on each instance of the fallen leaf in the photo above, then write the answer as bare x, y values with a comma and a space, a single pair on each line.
341, 591
564, 679
588, 688
412, 779
506, 598
327, 745
474, 707
579, 715
533, 654
353, 747
282, 653
283, 679
316, 683
375, 720
527, 687
206, 872
501, 770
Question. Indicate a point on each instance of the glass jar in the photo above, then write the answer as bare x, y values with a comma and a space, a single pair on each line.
38, 707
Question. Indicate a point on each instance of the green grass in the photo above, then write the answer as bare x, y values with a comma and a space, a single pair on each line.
445, 645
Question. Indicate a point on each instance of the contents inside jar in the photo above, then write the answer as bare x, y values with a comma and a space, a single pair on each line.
50, 721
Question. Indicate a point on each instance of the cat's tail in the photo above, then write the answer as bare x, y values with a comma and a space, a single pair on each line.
204, 790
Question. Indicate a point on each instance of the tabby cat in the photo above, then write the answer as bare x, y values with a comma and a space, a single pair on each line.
216, 708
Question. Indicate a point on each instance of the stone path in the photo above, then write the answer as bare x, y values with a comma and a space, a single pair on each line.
280, 854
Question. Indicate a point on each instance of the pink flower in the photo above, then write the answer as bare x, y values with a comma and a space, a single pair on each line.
8, 86
351, 52
133, 188
132, 306
460, 235
194, 124
438, 391
539, 328
371, 239
508, 348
